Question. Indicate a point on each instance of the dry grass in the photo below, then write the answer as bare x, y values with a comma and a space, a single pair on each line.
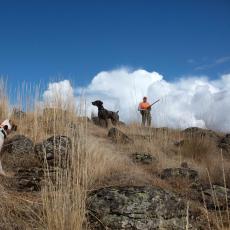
97, 162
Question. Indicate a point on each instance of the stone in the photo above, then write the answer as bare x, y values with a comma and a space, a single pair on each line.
17, 113
201, 133
186, 173
225, 143
55, 150
19, 144
29, 180
215, 197
137, 208
144, 158
118, 136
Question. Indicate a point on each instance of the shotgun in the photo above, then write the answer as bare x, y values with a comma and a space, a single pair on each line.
150, 105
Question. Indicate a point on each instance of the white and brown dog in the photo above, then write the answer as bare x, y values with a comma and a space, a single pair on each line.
5, 128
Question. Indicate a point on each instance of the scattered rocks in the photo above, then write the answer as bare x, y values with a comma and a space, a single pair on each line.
55, 150
136, 208
29, 180
118, 136
19, 144
144, 158
180, 173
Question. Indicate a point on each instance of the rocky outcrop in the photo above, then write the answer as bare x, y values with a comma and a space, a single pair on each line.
184, 172
202, 133
136, 208
29, 180
143, 158
102, 123
19, 144
55, 150
225, 143
118, 136
17, 113
217, 197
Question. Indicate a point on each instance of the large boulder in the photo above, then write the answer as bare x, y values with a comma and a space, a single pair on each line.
19, 144
136, 208
29, 180
118, 136
55, 150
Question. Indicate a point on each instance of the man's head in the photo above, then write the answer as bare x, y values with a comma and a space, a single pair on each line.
144, 99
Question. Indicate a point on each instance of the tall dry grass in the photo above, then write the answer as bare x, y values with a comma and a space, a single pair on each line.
95, 162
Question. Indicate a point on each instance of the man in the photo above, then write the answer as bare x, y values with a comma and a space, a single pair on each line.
145, 108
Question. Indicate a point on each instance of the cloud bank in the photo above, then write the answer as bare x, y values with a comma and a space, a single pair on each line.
186, 102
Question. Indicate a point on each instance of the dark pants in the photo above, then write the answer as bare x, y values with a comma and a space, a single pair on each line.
146, 117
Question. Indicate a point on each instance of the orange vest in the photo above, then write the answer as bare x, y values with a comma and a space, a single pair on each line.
144, 105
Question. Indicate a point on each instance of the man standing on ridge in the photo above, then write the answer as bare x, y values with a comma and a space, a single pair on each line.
145, 108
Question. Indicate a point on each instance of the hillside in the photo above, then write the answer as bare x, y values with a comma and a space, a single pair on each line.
65, 172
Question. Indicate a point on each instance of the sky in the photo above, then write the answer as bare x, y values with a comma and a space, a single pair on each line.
100, 47
46, 40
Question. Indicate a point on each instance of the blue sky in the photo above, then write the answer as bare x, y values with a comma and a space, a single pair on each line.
46, 40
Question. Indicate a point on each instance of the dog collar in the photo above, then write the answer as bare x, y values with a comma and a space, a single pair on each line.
4, 132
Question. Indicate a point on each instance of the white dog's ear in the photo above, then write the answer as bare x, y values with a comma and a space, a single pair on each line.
5, 127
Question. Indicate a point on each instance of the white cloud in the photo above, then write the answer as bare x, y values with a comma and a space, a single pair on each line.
190, 101
59, 94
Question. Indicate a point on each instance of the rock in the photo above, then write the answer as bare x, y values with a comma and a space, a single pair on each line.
215, 197
102, 123
29, 180
225, 143
19, 144
144, 158
179, 173
17, 113
118, 136
179, 143
199, 132
136, 208
55, 150
184, 165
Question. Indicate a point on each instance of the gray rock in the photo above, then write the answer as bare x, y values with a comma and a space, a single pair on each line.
144, 158
55, 150
215, 197
199, 132
19, 144
136, 208
29, 180
187, 173
118, 136
102, 123
225, 143
17, 113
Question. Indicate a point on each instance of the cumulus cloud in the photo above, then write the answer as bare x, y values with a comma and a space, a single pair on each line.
59, 94
186, 102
